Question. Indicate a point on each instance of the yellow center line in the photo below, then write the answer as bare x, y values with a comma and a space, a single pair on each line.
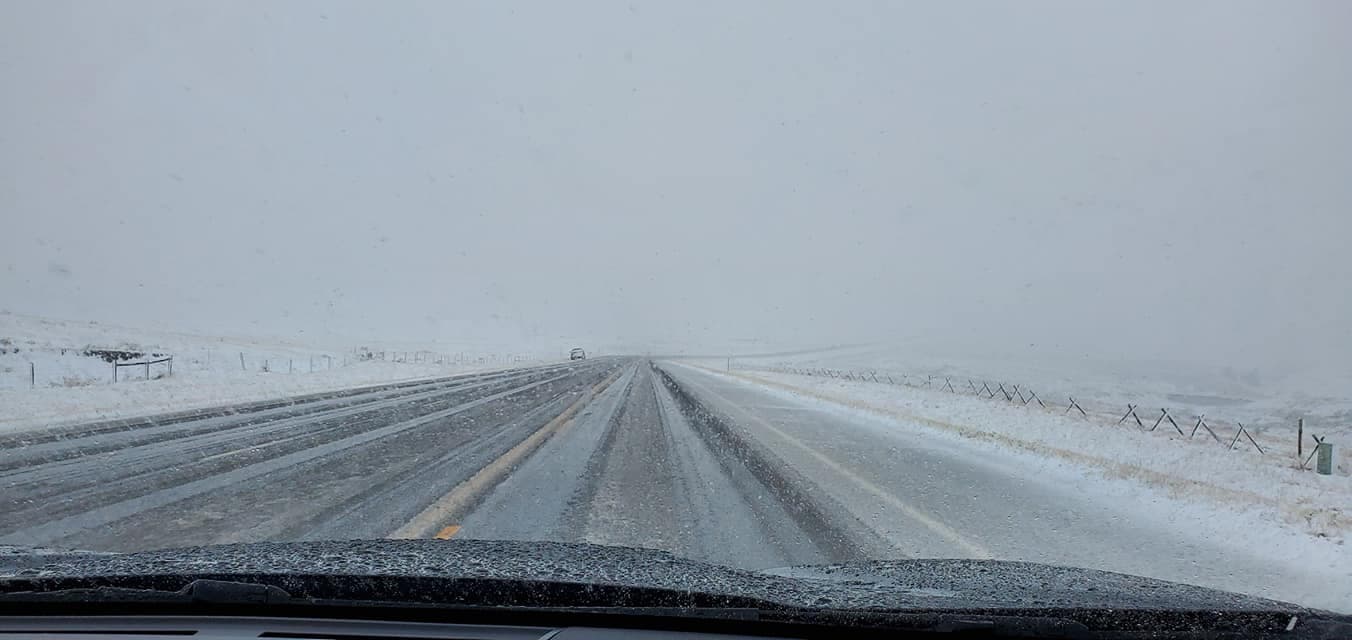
453, 505
448, 532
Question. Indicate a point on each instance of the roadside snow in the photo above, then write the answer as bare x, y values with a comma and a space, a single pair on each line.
71, 380
1267, 401
40, 408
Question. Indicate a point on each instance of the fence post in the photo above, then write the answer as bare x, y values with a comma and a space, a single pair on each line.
290, 365
241, 361
114, 371
171, 366
147, 369
1300, 438
32, 376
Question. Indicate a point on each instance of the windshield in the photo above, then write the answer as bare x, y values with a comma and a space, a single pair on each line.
759, 284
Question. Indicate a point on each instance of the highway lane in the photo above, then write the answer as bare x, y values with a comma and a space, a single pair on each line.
638, 471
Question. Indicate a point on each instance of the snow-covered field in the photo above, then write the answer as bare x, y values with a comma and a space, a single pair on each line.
58, 371
1268, 402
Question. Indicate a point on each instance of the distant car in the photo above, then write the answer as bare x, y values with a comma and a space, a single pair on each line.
577, 354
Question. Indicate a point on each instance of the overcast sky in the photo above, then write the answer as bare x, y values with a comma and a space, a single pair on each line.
1154, 179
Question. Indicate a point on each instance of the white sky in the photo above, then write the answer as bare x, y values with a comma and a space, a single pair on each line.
1144, 179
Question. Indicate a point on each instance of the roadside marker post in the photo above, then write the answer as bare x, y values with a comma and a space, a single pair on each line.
1323, 464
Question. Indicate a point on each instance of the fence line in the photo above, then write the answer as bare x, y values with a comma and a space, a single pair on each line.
146, 364
1025, 396
206, 359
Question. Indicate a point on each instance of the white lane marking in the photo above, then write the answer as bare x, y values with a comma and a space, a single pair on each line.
939, 528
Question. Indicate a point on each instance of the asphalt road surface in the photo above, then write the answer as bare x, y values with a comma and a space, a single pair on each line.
612, 450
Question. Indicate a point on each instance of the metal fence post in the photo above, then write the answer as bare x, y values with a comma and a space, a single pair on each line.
32, 376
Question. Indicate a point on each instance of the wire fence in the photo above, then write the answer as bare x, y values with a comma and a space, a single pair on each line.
432, 357
1231, 435
80, 367
167, 361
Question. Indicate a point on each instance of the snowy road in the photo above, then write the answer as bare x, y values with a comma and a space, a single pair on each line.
345, 466
613, 451
930, 496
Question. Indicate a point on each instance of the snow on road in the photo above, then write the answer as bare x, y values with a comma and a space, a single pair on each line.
1077, 493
